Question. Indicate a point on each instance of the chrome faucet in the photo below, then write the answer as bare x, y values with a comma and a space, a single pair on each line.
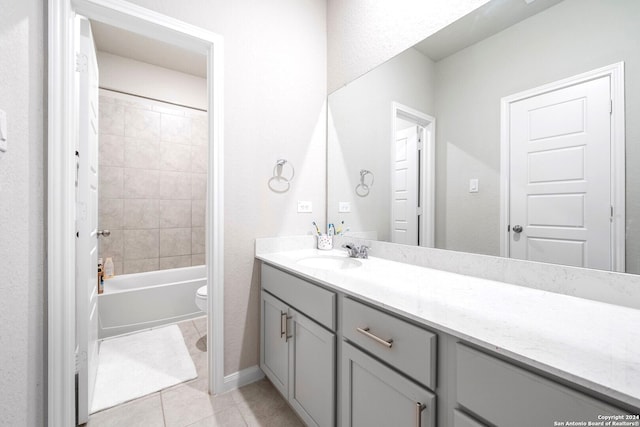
356, 251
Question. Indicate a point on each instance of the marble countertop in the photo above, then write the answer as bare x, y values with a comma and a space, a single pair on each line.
590, 343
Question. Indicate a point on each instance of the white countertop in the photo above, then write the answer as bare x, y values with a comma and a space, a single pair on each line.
593, 344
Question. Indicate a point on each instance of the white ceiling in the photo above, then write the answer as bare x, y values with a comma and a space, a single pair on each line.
480, 24
134, 46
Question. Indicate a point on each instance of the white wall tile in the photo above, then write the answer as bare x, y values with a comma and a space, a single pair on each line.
175, 185
197, 259
175, 128
141, 184
141, 153
111, 150
140, 265
142, 124
175, 213
199, 186
110, 182
175, 241
175, 262
198, 208
110, 214
112, 246
199, 158
199, 130
141, 214
175, 157
197, 240
111, 119
140, 244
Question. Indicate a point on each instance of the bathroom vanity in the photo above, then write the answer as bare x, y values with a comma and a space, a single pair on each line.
375, 342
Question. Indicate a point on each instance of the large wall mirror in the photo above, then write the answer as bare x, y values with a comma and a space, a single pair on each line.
514, 131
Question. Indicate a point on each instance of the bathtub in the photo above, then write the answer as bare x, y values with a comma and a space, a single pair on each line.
133, 302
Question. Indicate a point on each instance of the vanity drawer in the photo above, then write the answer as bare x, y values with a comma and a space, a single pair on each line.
312, 300
404, 346
506, 395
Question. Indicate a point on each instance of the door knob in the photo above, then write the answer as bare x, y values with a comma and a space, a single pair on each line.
517, 229
104, 233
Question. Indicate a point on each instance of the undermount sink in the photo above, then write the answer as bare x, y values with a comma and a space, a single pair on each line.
329, 262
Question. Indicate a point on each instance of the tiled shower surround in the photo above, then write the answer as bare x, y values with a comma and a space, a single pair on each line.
152, 189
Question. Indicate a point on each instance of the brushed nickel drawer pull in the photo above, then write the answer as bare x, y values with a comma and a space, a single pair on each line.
419, 408
283, 324
365, 331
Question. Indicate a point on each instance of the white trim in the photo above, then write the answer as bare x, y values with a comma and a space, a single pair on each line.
618, 185
427, 180
60, 205
243, 377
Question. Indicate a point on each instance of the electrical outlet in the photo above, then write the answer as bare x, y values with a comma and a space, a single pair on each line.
344, 207
473, 185
305, 206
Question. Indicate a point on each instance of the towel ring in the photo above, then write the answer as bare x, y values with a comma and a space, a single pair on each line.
277, 180
362, 189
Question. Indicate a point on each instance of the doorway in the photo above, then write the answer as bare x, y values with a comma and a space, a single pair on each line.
563, 172
61, 181
412, 176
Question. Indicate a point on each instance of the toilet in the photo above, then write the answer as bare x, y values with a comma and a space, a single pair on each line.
201, 298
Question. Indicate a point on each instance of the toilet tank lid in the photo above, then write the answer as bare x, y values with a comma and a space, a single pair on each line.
202, 291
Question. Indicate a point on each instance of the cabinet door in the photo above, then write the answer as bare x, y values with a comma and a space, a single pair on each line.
312, 372
274, 352
375, 395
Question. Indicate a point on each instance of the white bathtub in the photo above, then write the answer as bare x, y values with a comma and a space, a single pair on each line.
132, 302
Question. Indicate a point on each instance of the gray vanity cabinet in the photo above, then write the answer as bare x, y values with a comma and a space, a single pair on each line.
375, 395
506, 395
297, 353
274, 348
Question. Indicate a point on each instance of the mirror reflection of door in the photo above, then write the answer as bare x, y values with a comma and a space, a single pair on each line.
405, 185
560, 201
412, 176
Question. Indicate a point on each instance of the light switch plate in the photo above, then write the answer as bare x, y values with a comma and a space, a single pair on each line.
3, 131
305, 206
473, 185
344, 207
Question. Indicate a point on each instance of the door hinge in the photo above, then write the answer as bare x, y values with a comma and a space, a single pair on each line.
419, 210
420, 145
612, 212
611, 106
81, 62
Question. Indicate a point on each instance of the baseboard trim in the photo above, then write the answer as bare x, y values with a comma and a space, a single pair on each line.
243, 377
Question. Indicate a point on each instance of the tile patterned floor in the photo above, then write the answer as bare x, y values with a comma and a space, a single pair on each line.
188, 404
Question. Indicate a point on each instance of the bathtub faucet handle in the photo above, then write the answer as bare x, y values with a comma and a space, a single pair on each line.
104, 233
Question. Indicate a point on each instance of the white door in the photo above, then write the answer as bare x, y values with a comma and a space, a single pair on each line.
405, 218
86, 217
560, 183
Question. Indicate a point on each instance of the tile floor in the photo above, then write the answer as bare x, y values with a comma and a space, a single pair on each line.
188, 404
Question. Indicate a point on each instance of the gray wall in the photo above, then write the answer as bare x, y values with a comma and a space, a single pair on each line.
275, 92
274, 100
359, 134
22, 219
153, 181
572, 37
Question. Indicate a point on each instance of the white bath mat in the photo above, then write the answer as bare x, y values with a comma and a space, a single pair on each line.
138, 364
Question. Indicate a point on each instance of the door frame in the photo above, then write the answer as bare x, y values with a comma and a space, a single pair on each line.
427, 171
61, 176
618, 190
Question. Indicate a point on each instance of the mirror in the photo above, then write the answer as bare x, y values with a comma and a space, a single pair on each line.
491, 137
